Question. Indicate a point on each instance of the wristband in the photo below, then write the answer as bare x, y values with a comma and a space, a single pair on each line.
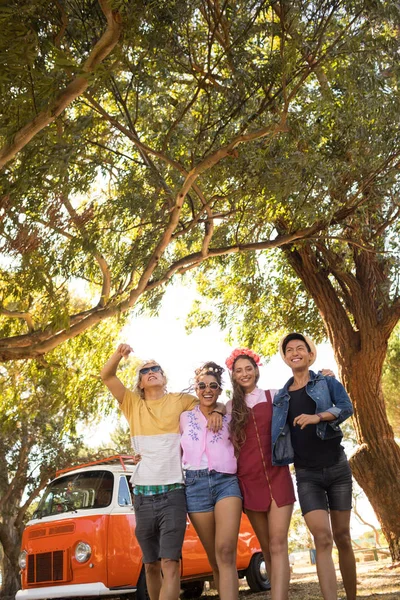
216, 411
320, 417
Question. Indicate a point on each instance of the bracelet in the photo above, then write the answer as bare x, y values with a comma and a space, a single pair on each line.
216, 411
320, 417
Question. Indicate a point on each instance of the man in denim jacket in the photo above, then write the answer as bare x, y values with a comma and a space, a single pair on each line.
307, 413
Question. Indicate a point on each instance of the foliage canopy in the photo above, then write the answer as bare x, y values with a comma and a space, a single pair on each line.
198, 130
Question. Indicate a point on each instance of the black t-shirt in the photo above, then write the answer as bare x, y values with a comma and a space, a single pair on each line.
310, 451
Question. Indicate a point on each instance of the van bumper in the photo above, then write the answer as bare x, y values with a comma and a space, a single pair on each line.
71, 591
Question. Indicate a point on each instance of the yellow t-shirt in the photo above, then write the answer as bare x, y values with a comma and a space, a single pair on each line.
154, 427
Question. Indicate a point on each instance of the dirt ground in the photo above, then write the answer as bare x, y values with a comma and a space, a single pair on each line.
377, 581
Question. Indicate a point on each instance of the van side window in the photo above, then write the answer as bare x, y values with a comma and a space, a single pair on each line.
125, 492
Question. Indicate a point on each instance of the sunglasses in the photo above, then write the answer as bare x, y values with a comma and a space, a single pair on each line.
153, 369
213, 385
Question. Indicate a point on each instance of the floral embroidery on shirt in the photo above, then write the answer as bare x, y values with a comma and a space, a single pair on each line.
194, 426
216, 437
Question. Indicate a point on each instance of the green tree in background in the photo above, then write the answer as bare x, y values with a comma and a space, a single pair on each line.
119, 440
36, 81
299, 535
391, 381
151, 168
42, 405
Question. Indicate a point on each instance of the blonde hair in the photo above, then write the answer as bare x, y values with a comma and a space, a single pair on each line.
138, 378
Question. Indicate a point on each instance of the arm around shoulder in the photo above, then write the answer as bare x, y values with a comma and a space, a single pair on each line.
340, 399
220, 408
108, 372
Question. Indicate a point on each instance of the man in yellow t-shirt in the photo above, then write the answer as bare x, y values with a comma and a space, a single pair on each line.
160, 506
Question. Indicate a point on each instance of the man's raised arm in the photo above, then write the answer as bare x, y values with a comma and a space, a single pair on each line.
108, 373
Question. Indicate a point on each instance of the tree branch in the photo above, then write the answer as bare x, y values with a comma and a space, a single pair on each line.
64, 24
197, 257
37, 344
104, 268
75, 88
15, 314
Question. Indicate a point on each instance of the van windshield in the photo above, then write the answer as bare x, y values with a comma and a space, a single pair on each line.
76, 491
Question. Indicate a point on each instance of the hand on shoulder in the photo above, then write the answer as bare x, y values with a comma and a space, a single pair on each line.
328, 373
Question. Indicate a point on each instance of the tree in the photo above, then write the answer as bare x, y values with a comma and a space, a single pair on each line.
137, 179
41, 408
344, 283
29, 55
391, 380
120, 441
374, 534
359, 315
299, 535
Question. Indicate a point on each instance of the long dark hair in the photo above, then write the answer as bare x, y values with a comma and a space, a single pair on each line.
240, 411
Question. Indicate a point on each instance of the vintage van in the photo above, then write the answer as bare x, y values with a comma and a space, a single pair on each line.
81, 541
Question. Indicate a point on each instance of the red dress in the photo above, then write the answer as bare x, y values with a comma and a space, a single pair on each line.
259, 480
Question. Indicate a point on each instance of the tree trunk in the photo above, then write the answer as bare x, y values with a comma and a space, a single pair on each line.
376, 464
11, 580
11, 543
10, 540
359, 329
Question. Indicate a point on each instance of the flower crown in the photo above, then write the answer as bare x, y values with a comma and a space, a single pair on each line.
203, 370
242, 352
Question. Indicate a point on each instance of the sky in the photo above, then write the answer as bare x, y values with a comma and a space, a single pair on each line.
164, 339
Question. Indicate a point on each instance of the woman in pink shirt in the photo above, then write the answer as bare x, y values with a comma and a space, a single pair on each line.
214, 501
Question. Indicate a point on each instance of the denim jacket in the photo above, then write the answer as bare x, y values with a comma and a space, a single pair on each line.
329, 396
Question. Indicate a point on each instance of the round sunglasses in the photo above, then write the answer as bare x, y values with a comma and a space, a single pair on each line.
213, 385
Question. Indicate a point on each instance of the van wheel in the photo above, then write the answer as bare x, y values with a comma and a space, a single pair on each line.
256, 574
192, 589
141, 588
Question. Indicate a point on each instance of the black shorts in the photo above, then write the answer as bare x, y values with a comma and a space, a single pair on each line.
161, 524
329, 488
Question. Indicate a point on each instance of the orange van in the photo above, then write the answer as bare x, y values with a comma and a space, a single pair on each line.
81, 541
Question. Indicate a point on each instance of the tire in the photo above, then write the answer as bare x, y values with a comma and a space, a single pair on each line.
256, 574
141, 588
192, 589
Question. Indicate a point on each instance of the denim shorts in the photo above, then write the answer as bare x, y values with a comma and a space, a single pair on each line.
205, 488
329, 488
160, 524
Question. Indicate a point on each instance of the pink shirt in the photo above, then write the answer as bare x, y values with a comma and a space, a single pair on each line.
255, 397
197, 440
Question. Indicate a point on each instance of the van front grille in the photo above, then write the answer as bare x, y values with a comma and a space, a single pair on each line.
46, 567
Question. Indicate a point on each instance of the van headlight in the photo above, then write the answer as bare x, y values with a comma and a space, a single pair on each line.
82, 552
22, 559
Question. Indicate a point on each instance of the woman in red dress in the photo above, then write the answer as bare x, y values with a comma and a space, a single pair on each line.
268, 494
